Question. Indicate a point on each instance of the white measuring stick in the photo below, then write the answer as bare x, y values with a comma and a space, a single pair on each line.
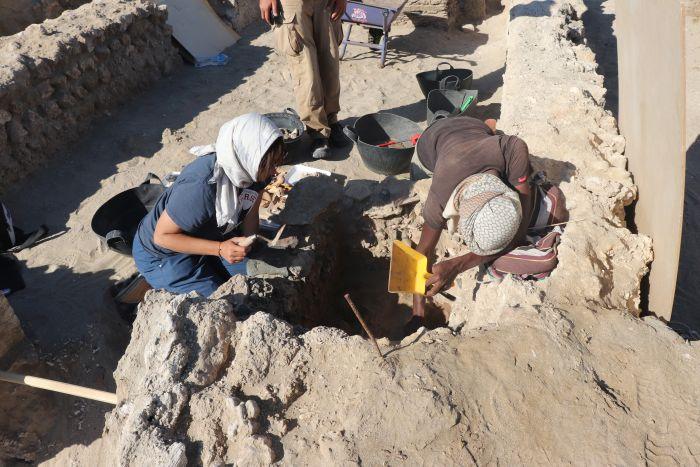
559, 223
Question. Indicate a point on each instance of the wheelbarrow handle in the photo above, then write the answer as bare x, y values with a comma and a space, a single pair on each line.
114, 237
437, 68
350, 133
449, 82
439, 115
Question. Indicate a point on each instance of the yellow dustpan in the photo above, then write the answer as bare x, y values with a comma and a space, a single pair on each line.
408, 270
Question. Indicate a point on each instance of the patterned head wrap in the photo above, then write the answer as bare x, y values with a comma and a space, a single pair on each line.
489, 214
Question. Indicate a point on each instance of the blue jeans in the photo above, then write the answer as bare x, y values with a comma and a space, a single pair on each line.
181, 273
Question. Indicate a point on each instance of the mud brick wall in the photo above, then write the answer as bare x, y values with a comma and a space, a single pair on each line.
15, 15
239, 14
56, 77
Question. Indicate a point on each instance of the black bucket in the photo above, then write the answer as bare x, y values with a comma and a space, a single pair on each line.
450, 78
289, 120
378, 128
116, 221
444, 103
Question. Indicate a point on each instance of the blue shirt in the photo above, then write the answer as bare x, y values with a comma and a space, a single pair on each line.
191, 204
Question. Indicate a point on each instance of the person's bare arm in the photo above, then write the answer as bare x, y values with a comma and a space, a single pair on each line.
445, 272
429, 238
265, 7
337, 8
169, 235
491, 123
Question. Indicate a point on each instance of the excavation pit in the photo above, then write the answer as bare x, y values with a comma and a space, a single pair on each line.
343, 247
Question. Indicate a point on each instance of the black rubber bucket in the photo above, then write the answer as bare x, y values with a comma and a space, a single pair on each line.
378, 128
446, 78
289, 120
444, 103
116, 221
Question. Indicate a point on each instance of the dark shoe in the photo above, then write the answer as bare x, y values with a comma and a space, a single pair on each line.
338, 138
320, 148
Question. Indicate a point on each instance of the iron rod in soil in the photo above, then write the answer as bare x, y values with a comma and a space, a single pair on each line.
362, 323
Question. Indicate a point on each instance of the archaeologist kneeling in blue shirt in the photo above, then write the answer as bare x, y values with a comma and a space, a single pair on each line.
192, 239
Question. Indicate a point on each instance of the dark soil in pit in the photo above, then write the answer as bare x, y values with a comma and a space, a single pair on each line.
365, 278
341, 250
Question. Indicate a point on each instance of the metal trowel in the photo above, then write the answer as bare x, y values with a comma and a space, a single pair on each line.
275, 242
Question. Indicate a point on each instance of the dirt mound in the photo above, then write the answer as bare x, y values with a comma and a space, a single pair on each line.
225, 380
545, 385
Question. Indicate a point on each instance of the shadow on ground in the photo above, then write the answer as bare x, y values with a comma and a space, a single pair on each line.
133, 129
66, 313
685, 318
424, 43
602, 41
535, 9
85, 338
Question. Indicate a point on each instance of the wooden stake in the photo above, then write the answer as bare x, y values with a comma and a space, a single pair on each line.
362, 322
57, 386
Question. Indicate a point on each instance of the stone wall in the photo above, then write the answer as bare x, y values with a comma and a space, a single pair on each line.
239, 14
554, 99
18, 14
451, 14
56, 77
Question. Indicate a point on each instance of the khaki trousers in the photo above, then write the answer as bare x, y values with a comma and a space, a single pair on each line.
309, 40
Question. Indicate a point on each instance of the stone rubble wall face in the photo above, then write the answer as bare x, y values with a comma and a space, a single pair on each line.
554, 99
444, 13
56, 77
18, 14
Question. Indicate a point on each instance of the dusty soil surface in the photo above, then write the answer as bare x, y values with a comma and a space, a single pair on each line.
64, 310
544, 386
555, 371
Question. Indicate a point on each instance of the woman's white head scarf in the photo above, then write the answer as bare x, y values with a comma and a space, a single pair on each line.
239, 148
489, 214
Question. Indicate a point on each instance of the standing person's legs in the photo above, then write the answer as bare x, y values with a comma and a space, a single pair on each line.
295, 40
328, 35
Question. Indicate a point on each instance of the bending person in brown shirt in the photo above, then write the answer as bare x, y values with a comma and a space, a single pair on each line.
480, 189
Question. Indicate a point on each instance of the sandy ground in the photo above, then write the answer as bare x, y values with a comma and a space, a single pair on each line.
64, 309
